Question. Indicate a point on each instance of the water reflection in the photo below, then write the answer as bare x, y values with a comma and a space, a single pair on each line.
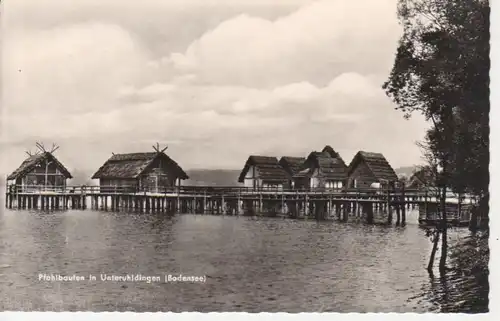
465, 287
251, 264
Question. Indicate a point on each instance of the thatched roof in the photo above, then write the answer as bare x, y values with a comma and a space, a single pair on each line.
133, 165
292, 165
269, 169
422, 176
377, 163
328, 149
329, 167
29, 164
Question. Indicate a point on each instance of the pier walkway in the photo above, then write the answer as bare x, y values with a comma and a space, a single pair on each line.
318, 203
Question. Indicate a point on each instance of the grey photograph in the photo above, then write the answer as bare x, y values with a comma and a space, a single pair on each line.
245, 156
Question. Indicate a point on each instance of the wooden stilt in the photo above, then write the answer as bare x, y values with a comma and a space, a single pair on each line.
388, 205
403, 209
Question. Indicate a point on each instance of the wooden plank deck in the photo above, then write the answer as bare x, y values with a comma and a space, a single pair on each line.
210, 191
237, 200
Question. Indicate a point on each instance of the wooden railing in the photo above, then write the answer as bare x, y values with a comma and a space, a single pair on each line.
227, 190
453, 212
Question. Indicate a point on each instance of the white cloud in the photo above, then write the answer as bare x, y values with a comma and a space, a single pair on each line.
77, 68
350, 113
163, 26
316, 43
249, 85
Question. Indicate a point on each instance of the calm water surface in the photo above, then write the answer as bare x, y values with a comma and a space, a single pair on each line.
251, 264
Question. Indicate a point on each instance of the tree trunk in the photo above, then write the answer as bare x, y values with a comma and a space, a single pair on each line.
444, 228
433, 252
473, 219
484, 210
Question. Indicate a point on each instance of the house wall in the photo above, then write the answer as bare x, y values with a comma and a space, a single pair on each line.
301, 183
159, 177
315, 180
290, 172
361, 177
157, 180
334, 184
42, 176
270, 185
251, 180
122, 185
118, 182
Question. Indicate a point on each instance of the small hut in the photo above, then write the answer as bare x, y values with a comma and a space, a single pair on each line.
151, 172
263, 172
320, 170
422, 177
292, 165
41, 171
370, 170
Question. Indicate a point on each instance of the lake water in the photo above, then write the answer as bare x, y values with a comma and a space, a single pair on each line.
250, 264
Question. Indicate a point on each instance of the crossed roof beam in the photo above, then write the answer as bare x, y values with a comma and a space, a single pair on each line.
41, 149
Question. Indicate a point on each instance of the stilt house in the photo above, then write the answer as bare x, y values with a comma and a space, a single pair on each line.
370, 170
150, 172
321, 171
421, 178
41, 171
263, 172
292, 165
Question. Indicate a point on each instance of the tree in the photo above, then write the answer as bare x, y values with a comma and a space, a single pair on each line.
430, 175
441, 70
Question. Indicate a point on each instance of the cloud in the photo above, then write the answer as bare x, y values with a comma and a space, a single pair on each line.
316, 43
160, 25
246, 85
77, 68
350, 113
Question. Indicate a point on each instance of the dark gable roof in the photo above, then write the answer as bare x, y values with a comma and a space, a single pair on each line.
29, 164
423, 176
269, 169
332, 168
377, 164
329, 167
328, 149
292, 164
133, 165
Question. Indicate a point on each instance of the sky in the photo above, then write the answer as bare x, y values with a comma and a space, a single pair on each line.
215, 80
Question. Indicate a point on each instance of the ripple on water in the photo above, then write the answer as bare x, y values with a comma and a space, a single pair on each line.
251, 264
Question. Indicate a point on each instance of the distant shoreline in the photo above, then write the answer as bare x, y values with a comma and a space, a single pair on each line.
197, 176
